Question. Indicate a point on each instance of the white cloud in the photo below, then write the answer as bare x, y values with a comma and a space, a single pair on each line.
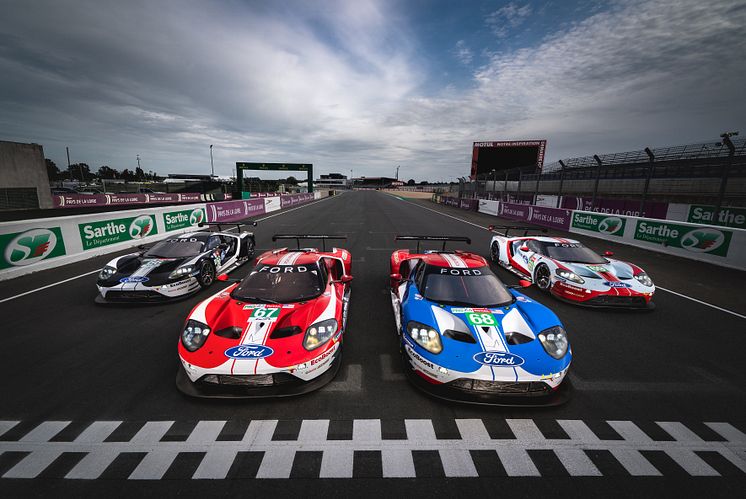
268, 86
463, 52
340, 84
645, 73
507, 17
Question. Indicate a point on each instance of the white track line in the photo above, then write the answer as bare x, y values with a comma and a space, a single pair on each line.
703, 302
656, 287
98, 270
49, 286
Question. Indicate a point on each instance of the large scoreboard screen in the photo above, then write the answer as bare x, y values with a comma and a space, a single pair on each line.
506, 154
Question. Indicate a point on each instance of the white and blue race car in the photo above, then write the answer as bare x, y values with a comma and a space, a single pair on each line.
467, 337
570, 271
173, 268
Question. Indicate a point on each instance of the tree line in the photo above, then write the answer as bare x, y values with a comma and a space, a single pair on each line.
82, 172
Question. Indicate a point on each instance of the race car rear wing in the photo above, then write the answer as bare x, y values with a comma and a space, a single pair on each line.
506, 229
445, 239
322, 237
220, 224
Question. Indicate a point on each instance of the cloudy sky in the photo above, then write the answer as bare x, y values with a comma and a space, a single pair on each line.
365, 84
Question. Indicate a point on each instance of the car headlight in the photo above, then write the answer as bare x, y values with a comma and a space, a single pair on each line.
319, 333
554, 341
570, 276
425, 336
194, 335
182, 271
107, 272
644, 279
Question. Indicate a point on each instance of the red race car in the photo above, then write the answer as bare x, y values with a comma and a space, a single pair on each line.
278, 332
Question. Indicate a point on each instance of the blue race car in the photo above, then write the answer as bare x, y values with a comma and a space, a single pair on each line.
467, 337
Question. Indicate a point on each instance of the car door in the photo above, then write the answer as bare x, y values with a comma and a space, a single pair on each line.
534, 254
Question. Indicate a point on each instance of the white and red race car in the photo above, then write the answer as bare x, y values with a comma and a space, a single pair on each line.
278, 332
570, 271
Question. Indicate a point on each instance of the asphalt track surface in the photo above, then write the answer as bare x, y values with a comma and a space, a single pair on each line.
88, 404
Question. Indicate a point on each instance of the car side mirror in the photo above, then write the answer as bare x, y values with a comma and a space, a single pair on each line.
222, 277
345, 279
523, 248
395, 277
608, 253
524, 283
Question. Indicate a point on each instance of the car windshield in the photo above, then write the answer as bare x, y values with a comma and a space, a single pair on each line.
280, 284
175, 248
478, 287
573, 253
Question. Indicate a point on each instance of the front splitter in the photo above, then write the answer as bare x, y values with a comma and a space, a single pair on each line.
209, 390
445, 392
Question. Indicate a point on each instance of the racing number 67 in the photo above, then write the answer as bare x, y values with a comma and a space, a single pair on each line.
265, 313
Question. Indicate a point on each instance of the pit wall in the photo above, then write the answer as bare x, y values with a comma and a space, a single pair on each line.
28, 246
708, 243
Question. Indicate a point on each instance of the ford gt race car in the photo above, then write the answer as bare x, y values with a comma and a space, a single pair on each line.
572, 272
174, 268
467, 337
278, 332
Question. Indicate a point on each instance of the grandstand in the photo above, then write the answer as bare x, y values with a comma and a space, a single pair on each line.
712, 173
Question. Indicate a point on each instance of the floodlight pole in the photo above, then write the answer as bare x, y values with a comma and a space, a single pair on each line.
649, 174
725, 171
68, 163
562, 179
212, 166
598, 177
505, 188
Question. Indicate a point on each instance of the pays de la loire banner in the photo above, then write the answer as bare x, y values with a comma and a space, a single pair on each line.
555, 218
79, 200
231, 211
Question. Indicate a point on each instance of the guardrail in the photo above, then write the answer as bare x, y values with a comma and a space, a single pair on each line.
31, 245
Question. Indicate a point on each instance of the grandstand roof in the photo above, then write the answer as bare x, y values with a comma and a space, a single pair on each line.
674, 153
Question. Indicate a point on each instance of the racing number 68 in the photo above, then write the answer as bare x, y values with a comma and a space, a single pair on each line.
482, 319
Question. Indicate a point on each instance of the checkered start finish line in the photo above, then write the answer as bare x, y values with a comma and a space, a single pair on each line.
687, 449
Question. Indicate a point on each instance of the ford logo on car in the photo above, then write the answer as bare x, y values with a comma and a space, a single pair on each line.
135, 278
613, 284
498, 359
252, 352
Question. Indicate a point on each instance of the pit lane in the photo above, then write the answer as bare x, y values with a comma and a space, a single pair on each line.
67, 360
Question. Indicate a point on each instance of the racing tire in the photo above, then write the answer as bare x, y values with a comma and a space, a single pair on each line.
543, 277
250, 245
206, 275
495, 252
